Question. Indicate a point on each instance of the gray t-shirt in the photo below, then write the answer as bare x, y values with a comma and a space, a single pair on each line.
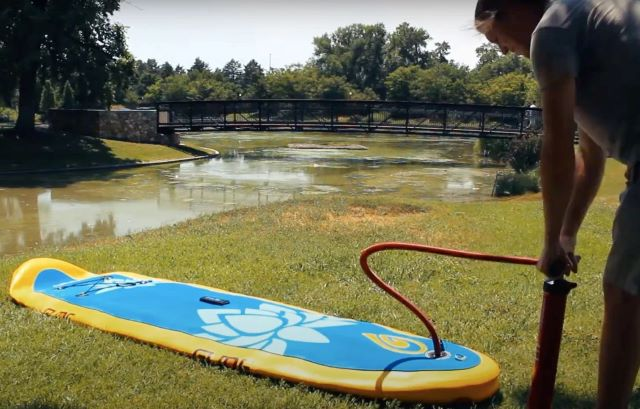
597, 42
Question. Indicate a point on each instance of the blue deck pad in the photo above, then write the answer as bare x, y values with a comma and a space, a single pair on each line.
253, 323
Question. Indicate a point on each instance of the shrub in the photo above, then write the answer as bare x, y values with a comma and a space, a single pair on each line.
513, 184
47, 98
68, 98
496, 149
8, 115
524, 153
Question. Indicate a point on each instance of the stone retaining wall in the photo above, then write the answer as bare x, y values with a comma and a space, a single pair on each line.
132, 126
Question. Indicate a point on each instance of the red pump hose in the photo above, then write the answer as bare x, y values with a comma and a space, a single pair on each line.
437, 343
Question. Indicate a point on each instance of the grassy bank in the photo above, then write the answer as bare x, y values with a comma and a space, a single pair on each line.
305, 253
48, 151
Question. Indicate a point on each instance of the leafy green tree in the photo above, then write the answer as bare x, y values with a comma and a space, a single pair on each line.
514, 88
145, 74
406, 46
173, 88
47, 98
291, 82
487, 53
492, 64
441, 53
253, 73
68, 98
64, 36
443, 82
401, 82
332, 87
232, 72
108, 96
199, 67
253, 82
122, 78
208, 88
355, 52
166, 70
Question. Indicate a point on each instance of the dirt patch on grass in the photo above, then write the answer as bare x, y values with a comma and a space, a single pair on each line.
352, 216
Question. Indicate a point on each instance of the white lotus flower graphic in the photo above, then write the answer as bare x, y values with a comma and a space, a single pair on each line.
268, 328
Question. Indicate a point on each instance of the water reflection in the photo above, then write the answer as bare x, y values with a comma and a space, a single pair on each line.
254, 170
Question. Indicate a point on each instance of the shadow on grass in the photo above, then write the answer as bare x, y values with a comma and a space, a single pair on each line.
57, 152
38, 404
563, 398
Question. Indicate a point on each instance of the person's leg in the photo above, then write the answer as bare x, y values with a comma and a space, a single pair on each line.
619, 348
620, 341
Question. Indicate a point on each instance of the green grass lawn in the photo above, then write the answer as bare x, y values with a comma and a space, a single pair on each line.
62, 151
306, 253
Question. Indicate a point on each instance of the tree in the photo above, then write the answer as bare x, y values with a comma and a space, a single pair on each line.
232, 72
355, 52
442, 51
332, 87
61, 36
108, 95
122, 77
513, 88
253, 73
173, 88
47, 98
179, 70
199, 67
487, 53
443, 82
166, 70
146, 74
492, 64
401, 82
407, 46
253, 84
68, 98
292, 82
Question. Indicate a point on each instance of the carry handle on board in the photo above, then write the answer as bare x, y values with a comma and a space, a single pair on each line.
552, 313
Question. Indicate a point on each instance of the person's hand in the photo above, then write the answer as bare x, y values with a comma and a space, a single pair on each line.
568, 243
555, 261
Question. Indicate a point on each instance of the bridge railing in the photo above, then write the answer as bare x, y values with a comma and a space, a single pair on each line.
348, 116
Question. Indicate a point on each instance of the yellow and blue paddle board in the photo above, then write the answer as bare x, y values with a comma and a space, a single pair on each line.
258, 336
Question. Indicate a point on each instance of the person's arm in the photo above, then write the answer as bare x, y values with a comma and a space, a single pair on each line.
588, 176
557, 169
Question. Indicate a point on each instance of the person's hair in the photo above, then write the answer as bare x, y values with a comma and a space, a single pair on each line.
491, 10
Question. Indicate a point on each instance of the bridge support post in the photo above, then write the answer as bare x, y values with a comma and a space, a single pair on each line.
444, 121
331, 113
406, 119
224, 115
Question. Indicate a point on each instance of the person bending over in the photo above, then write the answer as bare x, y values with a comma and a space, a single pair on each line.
586, 58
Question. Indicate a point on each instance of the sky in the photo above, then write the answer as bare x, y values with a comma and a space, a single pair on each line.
277, 33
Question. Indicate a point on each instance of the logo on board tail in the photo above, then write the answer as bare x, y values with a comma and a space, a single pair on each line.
269, 328
400, 345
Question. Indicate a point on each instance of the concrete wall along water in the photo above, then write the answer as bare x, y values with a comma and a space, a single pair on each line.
129, 125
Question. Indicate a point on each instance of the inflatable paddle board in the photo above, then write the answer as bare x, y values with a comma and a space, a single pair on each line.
258, 336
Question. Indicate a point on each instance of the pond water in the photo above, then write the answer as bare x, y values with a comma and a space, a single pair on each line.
254, 169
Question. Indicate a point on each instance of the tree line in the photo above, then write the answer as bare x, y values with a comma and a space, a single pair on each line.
68, 53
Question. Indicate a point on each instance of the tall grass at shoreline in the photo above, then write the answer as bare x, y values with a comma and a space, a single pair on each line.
305, 253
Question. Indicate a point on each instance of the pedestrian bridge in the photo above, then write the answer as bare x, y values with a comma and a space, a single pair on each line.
421, 118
